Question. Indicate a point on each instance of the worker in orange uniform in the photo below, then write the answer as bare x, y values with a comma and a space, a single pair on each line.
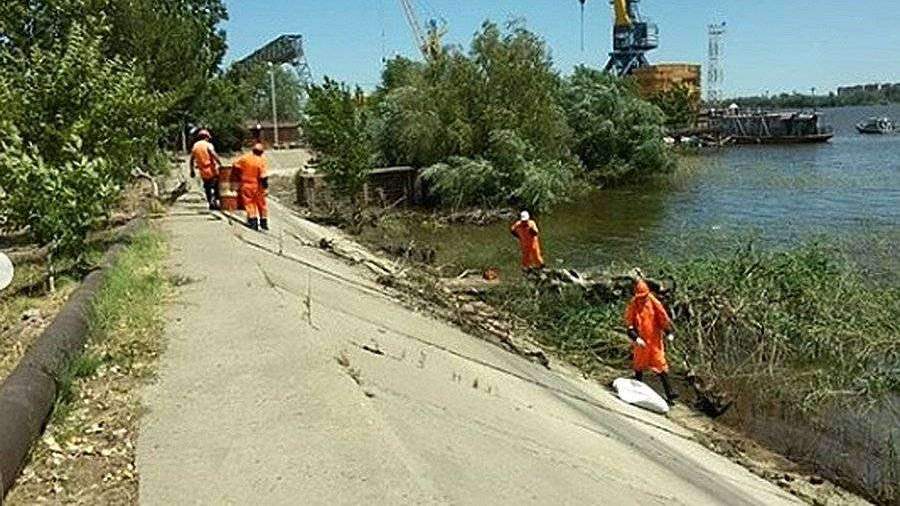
647, 323
526, 231
204, 158
254, 187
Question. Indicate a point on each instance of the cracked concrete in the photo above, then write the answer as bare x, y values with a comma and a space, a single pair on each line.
256, 404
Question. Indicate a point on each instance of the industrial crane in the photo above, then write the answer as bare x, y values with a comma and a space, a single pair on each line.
633, 36
430, 41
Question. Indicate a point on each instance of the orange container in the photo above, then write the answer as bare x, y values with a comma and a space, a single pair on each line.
228, 194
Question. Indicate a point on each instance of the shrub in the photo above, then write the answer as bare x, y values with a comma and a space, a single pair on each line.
457, 115
617, 135
78, 126
336, 125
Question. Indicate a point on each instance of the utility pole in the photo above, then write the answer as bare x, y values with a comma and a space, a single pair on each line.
274, 106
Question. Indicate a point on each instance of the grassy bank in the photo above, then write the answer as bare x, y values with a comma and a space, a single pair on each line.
87, 452
803, 341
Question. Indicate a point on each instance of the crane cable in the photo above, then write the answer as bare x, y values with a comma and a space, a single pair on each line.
582, 25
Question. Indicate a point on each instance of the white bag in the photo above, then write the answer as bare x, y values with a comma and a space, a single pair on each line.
6, 271
638, 393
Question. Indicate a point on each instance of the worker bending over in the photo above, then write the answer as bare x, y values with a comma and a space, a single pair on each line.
204, 158
254, 187
647, 322
526, 231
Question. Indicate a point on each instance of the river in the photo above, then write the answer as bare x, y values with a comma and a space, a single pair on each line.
778, 194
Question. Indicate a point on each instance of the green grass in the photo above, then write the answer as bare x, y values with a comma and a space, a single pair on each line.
805, 340
125, 319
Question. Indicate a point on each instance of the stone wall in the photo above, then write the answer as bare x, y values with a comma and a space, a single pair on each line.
386, 186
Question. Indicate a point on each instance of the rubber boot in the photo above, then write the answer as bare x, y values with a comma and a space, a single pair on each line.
264, 223
639, 375
671, 396
253, 223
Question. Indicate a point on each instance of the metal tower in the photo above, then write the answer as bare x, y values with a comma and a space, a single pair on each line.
715, 73
633, 37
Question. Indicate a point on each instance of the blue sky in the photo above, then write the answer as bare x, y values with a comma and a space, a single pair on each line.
772, 45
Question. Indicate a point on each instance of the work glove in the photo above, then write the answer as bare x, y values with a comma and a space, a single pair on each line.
632, 333
670, 337
264, 183
640, 342
193, 174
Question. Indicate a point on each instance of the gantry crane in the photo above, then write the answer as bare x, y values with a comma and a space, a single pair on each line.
430, 41
633, 37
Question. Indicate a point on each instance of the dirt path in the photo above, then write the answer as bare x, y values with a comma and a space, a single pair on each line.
300, 380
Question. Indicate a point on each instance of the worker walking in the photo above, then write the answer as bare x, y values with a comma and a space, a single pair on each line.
647, 322
254, 187
526, 231
204, 158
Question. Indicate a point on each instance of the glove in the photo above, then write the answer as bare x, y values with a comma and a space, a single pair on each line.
264, 183
193, 174
670, 337
640, 342
632, 333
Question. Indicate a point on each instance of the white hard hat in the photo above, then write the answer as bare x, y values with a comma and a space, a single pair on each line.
524, 216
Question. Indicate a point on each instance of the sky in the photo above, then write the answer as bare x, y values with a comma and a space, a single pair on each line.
771, 45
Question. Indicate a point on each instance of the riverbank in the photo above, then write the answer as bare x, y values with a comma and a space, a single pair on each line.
768, 327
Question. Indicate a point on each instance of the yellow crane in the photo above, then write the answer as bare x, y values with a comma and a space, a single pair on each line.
430, 41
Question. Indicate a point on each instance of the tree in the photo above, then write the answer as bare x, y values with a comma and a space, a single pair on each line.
459, 116
336, 125
680, 105
617, 135
79, 125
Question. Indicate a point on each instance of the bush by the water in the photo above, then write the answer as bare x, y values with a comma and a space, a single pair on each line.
617, 135
805, 343
497, 125
336, 125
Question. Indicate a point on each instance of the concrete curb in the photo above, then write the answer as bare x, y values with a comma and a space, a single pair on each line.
28, 394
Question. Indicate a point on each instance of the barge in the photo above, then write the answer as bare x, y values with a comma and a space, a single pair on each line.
770, 127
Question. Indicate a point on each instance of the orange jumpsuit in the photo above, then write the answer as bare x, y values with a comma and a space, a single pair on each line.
202, 153
252, 168
648, 316
527, 234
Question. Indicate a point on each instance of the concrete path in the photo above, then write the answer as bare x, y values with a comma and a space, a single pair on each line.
361, 401
283, 162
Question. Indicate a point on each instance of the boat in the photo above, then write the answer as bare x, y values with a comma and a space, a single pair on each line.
770, 127
876, 126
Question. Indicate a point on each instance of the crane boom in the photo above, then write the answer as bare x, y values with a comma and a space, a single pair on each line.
623, 17
414, 25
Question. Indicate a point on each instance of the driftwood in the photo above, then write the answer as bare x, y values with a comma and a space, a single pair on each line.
140, 174
601, 286
412, 252
476, 217
176, 193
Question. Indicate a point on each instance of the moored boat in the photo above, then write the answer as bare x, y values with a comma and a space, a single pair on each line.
770, 127
876, 126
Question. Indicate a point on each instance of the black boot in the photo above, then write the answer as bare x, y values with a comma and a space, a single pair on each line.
253, 223
264, 223
639, 375
671, 396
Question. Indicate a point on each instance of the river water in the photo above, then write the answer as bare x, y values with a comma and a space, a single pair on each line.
778, 194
